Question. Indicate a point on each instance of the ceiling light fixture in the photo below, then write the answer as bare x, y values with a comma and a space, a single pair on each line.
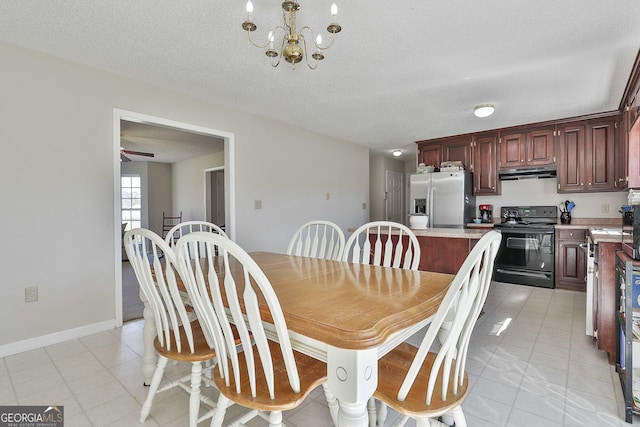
290, 48
397, 153
483, 110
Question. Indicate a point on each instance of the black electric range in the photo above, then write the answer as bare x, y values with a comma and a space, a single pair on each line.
526, 255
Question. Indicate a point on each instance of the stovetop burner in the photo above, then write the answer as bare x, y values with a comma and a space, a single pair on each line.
528, 216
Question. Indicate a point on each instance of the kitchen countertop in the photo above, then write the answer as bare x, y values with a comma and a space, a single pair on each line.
455, 233
601, 230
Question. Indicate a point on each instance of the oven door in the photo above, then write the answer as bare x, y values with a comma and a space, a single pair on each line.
526, 256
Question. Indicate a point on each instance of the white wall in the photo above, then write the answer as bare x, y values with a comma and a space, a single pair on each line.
160, 194
535, 192
58, 187
188, 185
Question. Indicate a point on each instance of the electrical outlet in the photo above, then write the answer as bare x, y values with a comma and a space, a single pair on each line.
258, 204
604, 208
328, 196
31, 294
364, 206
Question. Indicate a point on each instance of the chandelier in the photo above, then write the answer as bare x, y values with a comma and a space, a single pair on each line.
293, 45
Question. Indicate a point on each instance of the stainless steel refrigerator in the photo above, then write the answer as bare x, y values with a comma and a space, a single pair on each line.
446, 197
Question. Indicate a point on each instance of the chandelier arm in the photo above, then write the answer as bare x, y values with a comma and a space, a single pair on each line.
306, 54
273, 31
333, 38
275, 64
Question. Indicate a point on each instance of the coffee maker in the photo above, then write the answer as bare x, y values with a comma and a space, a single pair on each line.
486, 213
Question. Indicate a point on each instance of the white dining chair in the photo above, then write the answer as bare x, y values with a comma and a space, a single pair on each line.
386, 250
268, 376
184, 228
383, 243
179, 338
317, 239
325, 240
430, 381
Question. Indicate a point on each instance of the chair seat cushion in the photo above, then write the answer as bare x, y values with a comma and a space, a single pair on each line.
312, 373
202, 351
392, 370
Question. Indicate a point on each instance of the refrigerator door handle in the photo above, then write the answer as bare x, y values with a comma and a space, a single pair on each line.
430, 202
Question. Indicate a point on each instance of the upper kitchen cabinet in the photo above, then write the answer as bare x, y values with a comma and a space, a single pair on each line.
629, 159
485, 175
430, 154
478, 153
587, 155
571, 157
633, 147
458, 149
527, 147
602, 135
622, 154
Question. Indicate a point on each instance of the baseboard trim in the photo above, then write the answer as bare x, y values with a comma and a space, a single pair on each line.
55, 338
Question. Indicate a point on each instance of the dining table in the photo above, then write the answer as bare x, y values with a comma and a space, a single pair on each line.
346, 314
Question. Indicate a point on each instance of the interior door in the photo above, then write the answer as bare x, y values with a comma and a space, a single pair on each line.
393, 196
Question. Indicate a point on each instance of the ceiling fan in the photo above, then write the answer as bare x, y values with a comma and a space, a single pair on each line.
124, 151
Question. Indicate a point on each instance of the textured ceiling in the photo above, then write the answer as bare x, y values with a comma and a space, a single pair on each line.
167, 144
398, 72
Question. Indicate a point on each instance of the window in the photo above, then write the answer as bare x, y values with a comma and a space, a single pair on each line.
131, 201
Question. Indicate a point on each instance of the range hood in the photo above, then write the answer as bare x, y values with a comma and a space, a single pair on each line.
527, 173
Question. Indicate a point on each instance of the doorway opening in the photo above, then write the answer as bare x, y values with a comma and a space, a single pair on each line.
214, 196
227, 189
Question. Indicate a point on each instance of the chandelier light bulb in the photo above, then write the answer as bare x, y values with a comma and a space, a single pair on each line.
249, 6
319, 40
271, 38
334, 9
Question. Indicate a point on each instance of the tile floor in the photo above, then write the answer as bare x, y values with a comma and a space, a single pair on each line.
538, 370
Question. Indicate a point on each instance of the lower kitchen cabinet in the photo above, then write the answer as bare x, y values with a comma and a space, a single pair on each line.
605, 303
444, 254
571, 259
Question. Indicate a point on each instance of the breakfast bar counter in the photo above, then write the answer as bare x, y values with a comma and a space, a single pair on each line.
444, 249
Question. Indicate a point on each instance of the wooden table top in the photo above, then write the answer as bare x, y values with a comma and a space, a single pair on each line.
351, 306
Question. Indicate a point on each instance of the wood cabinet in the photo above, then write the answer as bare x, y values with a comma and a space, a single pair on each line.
571, 259
605, 298
586, 155
527, 147
622, 153
485, 163
430, 154
443, 254
436, 151
633, 147
571, 157
629, 159
458, 149
478, 154
600, 154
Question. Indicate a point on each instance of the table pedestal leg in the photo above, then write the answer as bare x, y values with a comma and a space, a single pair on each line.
149, 332
352, 378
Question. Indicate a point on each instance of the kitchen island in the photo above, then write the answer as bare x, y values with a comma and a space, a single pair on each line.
444, 249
